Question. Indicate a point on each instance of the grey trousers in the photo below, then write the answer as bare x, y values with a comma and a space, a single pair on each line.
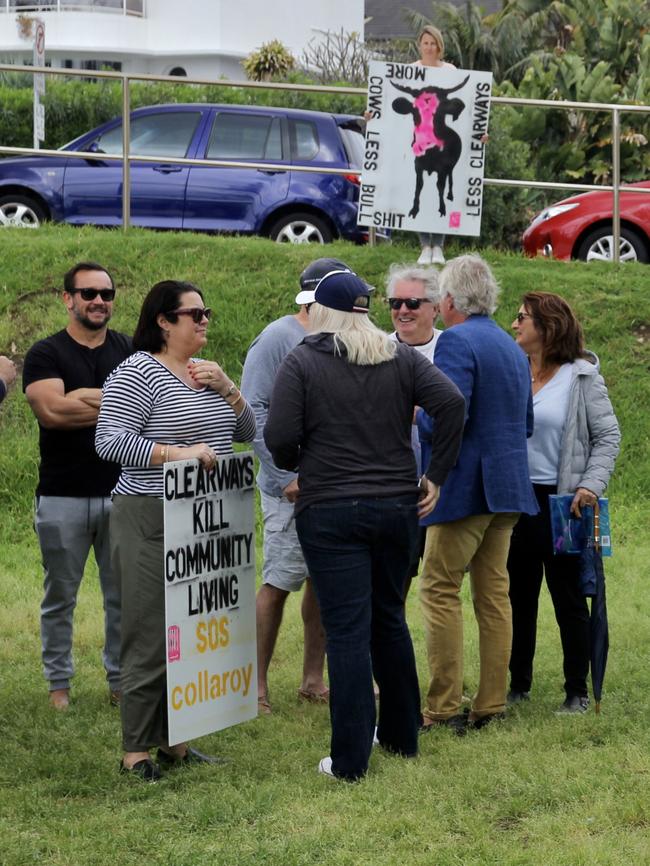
137, 549
67, 528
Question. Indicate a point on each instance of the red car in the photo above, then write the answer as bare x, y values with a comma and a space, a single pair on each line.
580, 227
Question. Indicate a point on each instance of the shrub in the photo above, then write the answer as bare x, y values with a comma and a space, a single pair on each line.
269, 61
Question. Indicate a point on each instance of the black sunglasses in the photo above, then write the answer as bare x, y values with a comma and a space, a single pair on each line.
195, 313
411, 303
521, 316
91, 294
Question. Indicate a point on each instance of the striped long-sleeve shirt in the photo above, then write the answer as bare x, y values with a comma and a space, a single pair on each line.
144, 403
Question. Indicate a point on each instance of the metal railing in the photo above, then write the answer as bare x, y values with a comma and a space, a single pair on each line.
121, 7
127, 158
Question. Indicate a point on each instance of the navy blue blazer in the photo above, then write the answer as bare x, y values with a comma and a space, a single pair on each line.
492, 373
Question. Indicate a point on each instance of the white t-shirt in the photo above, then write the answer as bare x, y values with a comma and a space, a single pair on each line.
427, 349
442, 65
550, 405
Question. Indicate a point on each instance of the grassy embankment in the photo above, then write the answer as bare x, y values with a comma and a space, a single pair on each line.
535, 789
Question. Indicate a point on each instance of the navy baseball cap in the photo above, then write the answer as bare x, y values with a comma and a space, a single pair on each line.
314, 273
343, 290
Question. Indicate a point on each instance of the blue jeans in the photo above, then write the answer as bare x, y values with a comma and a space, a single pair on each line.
358, 552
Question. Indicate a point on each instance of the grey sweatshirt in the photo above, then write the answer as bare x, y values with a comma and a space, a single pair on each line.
268, 350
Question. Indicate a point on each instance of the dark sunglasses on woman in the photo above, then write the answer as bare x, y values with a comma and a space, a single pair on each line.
195, 313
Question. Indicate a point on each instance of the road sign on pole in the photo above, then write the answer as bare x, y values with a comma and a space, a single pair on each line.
39, 81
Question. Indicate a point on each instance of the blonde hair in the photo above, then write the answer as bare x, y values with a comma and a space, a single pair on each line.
436, 35
362, 340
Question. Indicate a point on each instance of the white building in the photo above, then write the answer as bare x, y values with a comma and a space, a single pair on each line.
197, 38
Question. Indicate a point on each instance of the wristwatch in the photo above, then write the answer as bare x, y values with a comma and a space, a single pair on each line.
230, 391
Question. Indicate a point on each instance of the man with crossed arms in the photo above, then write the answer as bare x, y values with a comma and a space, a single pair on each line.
62, 380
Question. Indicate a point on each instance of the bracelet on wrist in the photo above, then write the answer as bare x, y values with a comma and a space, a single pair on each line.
233, 403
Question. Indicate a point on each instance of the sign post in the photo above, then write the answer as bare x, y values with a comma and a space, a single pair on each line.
425, 148
39, 81
210, 595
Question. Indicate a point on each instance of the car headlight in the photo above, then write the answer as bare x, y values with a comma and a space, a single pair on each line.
557, 209
553, 211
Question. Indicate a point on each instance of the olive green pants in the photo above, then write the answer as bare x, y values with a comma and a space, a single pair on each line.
482, 541
137, 552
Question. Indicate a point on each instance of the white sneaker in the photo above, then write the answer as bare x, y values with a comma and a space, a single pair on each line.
375, 739
437, 257
425, 256
325, 767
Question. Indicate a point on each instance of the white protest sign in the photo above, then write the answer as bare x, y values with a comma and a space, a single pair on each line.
425, 153
210, 595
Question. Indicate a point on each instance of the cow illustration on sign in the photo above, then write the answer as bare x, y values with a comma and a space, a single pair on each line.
436, 146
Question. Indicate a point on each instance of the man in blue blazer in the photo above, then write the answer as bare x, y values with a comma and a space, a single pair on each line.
481, 499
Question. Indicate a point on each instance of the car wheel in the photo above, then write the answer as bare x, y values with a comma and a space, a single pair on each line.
598, 246
20, 211
300, 228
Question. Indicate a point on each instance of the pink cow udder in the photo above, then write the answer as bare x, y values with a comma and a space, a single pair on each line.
424, 138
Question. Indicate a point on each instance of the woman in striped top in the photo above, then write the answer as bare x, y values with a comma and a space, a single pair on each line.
161, 404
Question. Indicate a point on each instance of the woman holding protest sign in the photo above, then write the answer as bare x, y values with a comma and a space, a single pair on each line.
431, 47
161, 404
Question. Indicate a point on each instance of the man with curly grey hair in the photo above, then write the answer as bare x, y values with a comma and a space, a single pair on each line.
414, 301
481, 499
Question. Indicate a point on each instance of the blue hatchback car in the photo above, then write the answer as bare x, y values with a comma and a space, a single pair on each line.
280, 203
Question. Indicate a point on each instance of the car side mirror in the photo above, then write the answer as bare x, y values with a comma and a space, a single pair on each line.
94, 147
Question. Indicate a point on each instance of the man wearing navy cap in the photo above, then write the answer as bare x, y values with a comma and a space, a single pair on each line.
284, 569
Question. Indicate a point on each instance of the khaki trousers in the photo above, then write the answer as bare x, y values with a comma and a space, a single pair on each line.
482, 541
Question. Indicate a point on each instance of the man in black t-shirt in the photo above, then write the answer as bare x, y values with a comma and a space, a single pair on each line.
62, 379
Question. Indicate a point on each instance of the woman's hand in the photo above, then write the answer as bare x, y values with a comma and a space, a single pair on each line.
582, 497
206, 456
209, 374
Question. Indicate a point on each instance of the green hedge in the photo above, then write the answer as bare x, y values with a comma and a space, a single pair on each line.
74, 107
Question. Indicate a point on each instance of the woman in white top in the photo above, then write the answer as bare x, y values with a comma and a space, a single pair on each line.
161, 404
431, 47
572, 451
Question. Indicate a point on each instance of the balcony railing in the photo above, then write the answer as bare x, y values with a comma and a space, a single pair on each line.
121, 7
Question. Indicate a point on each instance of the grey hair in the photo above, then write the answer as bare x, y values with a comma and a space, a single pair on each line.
427, 276
470, 282
364, 343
